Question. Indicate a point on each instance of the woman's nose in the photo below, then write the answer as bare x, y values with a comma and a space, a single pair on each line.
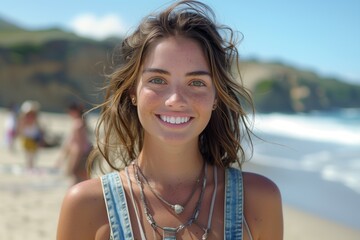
176, 98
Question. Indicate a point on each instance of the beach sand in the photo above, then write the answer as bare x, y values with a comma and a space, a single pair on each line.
30, 201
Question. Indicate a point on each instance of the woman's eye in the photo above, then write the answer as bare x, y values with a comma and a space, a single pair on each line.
157, 81
197, 83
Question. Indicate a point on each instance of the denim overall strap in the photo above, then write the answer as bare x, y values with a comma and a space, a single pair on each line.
233, 204
116, 206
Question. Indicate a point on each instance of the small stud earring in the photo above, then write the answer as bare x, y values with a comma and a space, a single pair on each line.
133, 100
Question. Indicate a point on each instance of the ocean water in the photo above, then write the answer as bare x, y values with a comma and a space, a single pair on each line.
315, 160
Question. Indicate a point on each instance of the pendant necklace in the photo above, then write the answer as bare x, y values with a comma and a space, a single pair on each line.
211, 210
169, 233
178, 208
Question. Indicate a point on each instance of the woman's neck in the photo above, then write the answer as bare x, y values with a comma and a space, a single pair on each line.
171, 165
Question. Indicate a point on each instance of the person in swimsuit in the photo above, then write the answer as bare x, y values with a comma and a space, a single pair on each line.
172, 129
77, 146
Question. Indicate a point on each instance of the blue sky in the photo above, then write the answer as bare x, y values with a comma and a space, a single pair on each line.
318, 35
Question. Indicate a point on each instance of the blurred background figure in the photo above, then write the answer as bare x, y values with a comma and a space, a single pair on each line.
77, 146
11, 127
29, 131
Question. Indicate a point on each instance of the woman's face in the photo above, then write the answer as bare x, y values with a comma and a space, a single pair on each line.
175, 92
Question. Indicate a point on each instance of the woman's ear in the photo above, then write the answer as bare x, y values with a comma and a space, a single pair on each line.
133, 99
215, 104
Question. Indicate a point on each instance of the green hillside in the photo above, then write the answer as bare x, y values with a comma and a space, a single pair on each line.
278, 87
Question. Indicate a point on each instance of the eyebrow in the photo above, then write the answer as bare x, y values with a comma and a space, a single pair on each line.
156, 70
161, 71
198, 73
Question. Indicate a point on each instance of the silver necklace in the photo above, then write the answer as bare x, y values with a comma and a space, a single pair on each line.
178, 208
211, 210
170, 232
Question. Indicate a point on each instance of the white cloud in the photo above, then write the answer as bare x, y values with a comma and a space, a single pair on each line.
89, 25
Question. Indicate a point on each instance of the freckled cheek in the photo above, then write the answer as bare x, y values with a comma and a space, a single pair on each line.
146, 103
148, 97
205, 104
204, 100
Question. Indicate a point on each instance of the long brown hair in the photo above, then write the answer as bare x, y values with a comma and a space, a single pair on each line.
119, 132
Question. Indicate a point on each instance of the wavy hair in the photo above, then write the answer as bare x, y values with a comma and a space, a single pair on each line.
119, 133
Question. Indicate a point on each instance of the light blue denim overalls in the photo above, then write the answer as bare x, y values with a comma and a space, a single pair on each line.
119, 218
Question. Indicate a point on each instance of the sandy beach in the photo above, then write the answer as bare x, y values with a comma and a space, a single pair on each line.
30, 201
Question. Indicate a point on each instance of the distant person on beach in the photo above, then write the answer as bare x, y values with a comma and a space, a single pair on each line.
30, 131
11, 122
77, 146
171, 127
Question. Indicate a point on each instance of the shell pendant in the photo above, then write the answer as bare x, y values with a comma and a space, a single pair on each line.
178, 208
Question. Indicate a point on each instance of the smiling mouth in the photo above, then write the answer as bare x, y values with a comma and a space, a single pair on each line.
174, 120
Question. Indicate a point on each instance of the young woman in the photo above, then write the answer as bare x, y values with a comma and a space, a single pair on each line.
171, 127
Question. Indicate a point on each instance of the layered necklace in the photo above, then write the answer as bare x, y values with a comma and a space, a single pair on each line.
169, 233
178, 208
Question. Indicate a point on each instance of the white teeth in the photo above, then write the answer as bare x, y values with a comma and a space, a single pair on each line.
175, 120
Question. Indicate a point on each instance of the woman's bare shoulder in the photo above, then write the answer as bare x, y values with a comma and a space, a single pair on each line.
260, 185
83, 211
85, 193
263, 206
